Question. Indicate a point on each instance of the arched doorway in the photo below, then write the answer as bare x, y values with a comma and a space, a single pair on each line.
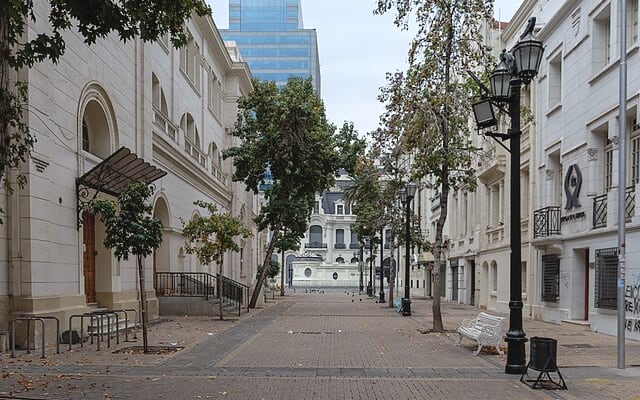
161, 255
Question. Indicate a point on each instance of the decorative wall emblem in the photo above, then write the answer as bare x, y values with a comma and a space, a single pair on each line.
572, 185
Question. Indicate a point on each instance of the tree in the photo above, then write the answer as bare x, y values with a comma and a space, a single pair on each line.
429, 104
93, 19
131, 230
210, 237
285, 130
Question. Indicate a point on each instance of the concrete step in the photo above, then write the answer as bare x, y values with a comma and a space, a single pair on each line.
579, 324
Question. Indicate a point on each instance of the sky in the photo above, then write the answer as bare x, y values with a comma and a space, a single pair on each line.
356, 50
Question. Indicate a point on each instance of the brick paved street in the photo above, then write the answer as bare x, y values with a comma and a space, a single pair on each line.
318, 346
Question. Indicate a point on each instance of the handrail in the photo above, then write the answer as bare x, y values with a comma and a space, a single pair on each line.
547, 221
201, 284
600, 211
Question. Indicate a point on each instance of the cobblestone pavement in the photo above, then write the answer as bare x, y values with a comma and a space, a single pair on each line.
317, 346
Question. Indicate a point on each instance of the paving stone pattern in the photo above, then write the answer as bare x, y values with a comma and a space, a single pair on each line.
332, 345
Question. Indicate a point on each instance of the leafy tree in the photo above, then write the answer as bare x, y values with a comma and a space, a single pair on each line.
286, 130
131, 230
93, 19
210, 237
428, 106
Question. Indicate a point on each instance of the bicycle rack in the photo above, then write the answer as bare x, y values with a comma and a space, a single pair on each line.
29, 319
81, 316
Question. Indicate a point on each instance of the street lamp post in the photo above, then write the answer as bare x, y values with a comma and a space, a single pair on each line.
381, 300
406, 195
516, 68
361, 266
369, 287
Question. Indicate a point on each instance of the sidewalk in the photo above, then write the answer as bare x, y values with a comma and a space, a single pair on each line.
332, 345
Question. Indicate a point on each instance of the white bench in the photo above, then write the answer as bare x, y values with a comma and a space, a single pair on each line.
484, 329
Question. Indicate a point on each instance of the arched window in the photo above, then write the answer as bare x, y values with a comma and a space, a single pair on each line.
158, 99
340, 260
96, 138
354, 260
189, 129
315, 235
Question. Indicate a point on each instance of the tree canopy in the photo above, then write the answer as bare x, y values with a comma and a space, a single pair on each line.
428, 106
284, 131
94, 20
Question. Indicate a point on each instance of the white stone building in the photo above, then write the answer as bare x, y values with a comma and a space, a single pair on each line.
170, 107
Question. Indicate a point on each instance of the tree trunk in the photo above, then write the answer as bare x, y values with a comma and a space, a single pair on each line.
219, 289
444, 196
265, 266
143, 305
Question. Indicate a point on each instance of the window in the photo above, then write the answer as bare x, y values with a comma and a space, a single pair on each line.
495, 210
523, 272
555, 81
524, 194
550, 277
190, 60
601, 40
340, 260
339, 209
316, 207
315, 235
634, 148
340, 239
494, 276
632, 22
608, 165
606, 277
215, 94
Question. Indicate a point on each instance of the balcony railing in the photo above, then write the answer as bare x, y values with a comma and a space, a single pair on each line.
195, 152
630, 202
354, 246
546, 222
165, 126
339, 246
600, 211
315, 245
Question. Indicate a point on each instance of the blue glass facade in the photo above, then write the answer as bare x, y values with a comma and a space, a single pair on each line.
272, 39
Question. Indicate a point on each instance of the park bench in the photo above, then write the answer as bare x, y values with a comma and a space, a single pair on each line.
484, 329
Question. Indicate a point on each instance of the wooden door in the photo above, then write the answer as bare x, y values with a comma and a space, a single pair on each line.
89, 259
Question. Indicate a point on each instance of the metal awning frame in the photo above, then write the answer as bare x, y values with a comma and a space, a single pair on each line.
111, 176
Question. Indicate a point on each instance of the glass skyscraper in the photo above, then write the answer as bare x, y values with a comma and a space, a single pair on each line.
272, 39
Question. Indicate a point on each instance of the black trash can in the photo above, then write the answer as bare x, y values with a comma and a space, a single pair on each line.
543, 352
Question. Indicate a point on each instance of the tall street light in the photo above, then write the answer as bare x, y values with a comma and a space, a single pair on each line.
381, 300
516, 68
406, 195
369, 287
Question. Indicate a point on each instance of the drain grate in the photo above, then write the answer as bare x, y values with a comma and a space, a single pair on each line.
578, 346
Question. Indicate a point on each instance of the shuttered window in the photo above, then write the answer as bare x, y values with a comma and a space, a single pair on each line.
550, 277
606, 294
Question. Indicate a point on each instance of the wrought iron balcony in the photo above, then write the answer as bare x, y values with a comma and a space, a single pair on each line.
315, 245
546, 222
354, 246
600, 211
630, 202
339, 246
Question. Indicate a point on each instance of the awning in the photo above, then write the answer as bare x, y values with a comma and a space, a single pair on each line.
112, 175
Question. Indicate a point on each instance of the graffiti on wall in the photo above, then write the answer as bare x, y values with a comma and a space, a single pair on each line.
564, 279
632, 304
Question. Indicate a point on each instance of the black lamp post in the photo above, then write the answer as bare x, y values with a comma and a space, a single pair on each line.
406, 195
369, 287
516, 68
360, 266
381, 300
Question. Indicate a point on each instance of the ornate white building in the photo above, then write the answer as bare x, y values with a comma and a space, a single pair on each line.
147, 102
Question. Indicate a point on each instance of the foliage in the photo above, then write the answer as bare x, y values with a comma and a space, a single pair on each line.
130, 227
285, 130
273, 269
209, 237
428, 108
93, 19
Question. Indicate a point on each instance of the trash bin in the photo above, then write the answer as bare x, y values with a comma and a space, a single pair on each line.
543, 352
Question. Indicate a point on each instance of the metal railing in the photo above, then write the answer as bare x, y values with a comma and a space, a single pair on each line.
630, 202
600, 211
202, 284
546, 222
354, 246
340, 246
315, 245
